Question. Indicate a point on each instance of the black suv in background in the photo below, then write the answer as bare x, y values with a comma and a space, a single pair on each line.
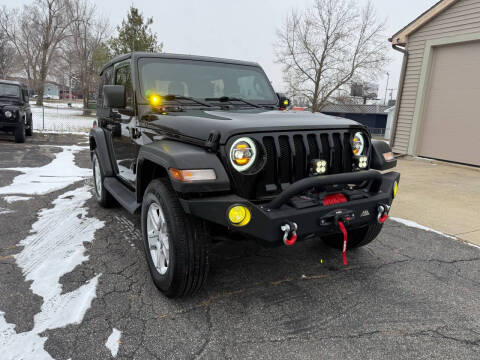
203, 148
15, 112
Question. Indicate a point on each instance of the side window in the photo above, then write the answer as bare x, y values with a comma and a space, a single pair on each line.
123, 77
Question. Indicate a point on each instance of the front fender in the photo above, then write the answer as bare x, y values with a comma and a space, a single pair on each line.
98, 141
174, 154
379, 162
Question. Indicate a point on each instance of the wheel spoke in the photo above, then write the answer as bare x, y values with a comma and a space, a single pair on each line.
160, 259
153, 239
153, 217
157, 236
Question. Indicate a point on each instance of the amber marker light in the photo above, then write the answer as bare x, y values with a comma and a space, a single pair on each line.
155, 100
192, 175
388, 156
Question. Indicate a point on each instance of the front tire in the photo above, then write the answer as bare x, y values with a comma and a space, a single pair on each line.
356, 238
176, 245
20, 133
103, 197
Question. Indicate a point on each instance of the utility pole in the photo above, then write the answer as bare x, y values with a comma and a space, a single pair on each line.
386, 89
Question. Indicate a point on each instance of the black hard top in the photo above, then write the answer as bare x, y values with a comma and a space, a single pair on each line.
11, 82
138, 54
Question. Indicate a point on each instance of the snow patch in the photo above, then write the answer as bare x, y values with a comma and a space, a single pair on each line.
58, 119
113, 341
84, 133
418, 226
56, 175
12, 199
54, 248
5, 211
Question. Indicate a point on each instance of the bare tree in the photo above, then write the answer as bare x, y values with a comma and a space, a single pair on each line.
88, 34
8, 57
328, 45
36, 31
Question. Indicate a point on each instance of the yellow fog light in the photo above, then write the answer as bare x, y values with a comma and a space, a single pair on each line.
395, 189
239, 215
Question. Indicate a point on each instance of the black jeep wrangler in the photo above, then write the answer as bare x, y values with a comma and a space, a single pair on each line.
204, 148
15, 112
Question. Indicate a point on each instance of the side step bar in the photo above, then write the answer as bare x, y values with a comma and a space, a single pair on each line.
122, 194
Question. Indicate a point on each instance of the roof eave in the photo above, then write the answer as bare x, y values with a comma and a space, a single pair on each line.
400, 38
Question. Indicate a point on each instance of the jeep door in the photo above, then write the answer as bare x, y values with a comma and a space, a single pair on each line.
122, 124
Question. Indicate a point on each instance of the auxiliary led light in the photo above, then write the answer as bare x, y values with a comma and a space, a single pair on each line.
362, 162
319, 166
239, 215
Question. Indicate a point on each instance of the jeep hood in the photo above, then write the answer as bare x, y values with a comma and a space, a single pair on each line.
198, 124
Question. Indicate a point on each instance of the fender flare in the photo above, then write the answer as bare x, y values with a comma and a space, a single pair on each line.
100, 141
378, 162
169, 153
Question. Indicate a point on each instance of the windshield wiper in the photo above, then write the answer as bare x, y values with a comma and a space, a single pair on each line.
230, 99
171, 97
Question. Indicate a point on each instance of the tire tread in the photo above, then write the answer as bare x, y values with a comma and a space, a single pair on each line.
191, 246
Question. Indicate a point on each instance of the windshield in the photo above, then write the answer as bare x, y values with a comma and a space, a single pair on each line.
204, 79
10, 90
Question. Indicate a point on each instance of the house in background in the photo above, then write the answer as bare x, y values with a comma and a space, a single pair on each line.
373, 116
51, 91
437, 114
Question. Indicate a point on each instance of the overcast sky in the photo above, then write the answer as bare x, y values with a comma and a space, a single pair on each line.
244, 29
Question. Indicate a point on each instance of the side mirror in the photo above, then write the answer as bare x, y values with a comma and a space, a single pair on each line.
283, 101
114, 96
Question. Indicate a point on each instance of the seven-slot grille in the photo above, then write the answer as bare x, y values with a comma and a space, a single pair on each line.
289, 156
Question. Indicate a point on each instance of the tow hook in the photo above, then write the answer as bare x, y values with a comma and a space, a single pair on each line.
382, 213
289, 233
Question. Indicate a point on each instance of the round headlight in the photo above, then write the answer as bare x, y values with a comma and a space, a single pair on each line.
8, 114
243, 154
358, 143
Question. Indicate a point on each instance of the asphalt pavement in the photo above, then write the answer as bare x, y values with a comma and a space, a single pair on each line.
411, 294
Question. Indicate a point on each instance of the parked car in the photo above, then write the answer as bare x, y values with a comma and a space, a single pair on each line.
199, 147
15, 112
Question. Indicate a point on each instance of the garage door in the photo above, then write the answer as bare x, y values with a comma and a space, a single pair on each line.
450, 127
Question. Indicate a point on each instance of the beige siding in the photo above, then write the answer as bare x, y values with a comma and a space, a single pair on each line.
460, 19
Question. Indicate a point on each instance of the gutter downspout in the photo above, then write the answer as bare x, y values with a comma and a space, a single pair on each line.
393, 131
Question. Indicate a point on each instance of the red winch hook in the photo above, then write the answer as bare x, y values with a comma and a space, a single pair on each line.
289, 233
345, 238
383, 213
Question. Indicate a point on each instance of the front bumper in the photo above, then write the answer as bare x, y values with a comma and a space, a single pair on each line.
9, 124
267, 219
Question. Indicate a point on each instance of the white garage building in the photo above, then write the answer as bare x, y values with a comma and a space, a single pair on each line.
437, 113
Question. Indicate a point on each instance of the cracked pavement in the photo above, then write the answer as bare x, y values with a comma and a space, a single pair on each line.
409, 294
